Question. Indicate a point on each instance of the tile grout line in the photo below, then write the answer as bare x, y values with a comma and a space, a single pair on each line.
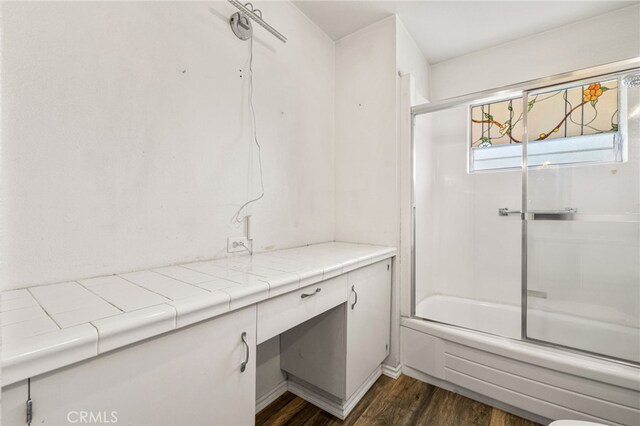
99, 297
175, 316
147, 289
177, 279
209, 274
198, 285
259, 277
166, 297
175, 321
265, 267
42, 307
97, 336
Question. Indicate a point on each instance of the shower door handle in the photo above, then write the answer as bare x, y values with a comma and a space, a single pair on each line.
505, 211
566, 214
571, 214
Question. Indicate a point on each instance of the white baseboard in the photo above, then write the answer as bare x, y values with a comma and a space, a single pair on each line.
340, 410
316, 399
390, 371
271, 396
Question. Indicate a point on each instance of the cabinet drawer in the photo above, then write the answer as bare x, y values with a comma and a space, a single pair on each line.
287, 311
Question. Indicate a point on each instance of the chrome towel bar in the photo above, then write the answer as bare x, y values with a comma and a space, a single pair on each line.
571, 214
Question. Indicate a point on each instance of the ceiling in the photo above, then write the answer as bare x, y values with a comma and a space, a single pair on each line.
446, 29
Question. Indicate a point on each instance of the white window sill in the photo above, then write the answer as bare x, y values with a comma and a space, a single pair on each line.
602, 147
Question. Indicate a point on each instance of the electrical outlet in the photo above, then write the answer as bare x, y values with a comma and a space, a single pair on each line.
235, 244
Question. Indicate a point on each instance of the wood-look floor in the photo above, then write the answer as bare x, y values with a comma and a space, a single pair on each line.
404, 401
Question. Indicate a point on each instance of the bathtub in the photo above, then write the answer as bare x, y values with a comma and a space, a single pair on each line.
600, 337
534, 381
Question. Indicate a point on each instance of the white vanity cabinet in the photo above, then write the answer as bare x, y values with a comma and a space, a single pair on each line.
368, 322
341, 350
186, 377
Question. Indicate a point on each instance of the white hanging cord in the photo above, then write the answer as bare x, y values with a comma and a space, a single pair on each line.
236, 217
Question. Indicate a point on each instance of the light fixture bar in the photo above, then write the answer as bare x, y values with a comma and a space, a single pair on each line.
251, 13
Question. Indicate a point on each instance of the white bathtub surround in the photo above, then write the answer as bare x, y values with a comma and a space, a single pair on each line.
520, 377
501, 319
130, 307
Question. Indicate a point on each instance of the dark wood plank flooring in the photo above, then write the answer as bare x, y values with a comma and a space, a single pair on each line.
405, 401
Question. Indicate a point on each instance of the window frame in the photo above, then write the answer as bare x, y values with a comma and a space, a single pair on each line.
619, 148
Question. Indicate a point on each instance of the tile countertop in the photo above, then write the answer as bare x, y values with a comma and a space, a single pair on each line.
52, 326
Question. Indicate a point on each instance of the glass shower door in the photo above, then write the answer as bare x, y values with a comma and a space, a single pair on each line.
582, 152
467, 257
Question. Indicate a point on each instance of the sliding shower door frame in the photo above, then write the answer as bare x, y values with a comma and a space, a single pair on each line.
511, 91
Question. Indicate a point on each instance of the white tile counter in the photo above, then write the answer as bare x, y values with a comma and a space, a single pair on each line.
52, 326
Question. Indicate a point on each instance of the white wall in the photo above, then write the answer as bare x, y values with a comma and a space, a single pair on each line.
268, 373
410, 60
370, 141
366, 163
367, 197
603, 39
412, 88
126, 137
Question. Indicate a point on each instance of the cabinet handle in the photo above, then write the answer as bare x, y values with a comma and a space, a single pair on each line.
243, 366
353, 289
304, 295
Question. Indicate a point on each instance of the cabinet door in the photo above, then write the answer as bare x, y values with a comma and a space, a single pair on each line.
186, 377
14, 404
368, 322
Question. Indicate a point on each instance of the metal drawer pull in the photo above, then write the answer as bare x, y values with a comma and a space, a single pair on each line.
243, 366
353, 289
303, 295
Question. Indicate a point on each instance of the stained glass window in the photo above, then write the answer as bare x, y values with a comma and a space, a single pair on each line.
566, 118
498, 123
575, 111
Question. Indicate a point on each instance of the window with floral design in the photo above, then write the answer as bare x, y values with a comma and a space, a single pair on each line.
568, 124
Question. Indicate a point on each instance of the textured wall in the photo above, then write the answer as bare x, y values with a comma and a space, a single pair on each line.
126, 135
